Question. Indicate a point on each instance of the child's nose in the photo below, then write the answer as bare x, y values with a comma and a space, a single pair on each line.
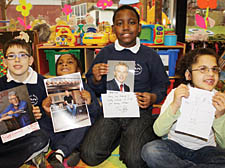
210, 72
125, 26
17, 59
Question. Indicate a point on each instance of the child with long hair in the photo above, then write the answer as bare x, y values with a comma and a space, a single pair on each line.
198, 69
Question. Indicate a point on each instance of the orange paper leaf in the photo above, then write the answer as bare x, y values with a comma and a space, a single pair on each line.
207, 3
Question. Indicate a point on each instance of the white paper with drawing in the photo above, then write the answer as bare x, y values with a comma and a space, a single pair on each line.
120, 104
197, 113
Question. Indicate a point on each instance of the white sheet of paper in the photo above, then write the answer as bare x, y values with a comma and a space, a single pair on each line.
120, 104
197, 113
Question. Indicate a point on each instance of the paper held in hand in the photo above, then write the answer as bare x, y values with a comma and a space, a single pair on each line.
197, 113
120, 104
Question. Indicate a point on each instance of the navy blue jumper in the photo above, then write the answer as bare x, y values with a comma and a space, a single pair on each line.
131, 133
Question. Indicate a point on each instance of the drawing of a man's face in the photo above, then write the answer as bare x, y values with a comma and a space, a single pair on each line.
121, 72
13, 99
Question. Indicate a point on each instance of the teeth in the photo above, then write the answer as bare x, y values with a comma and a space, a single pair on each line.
65, 70
125, 35
209, 81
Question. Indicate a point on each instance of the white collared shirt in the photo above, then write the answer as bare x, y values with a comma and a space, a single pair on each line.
133, 49
31, 79
118, 83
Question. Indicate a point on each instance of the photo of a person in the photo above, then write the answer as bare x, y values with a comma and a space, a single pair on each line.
69, 102
17, 111
120, 75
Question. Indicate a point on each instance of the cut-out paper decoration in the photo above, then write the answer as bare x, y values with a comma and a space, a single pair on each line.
22, 22
104, 3
211, 22
24, 8
200, 21
205, 4
67, 10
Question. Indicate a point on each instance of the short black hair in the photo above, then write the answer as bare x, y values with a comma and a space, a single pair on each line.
17, 42
128, 7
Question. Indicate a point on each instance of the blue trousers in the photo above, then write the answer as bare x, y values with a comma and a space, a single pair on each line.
107, 133
71, 110
169, 154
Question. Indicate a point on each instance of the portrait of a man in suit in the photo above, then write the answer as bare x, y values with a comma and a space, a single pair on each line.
120, 75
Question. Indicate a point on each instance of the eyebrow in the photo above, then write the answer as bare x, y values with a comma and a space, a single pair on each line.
22, 52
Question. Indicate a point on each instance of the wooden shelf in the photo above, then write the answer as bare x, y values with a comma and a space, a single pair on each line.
88, 54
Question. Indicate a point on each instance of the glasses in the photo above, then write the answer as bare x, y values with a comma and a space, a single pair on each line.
13, 56
205, 69
14, 98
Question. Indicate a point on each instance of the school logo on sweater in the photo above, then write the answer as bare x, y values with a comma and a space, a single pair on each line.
33, 99
138, 69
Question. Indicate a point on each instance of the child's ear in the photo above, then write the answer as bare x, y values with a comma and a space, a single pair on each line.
187, 75
113, 29
139, 29
31, 60
5, 63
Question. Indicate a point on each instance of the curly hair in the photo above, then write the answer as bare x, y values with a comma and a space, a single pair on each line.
186, 62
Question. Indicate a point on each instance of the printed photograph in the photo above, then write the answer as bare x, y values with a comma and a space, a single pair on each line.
121, 76
16, 114
68, 109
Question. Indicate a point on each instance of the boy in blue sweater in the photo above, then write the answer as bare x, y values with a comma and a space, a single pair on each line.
150, 86
18, 59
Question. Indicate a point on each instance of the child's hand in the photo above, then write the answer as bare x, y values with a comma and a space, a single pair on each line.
86, 96
5, 118
37, 112
145, 99
219, 103
46, 104
98, 70
181, 91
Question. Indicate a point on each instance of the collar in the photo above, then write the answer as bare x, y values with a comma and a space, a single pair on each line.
133, 49
118, 83
31, 79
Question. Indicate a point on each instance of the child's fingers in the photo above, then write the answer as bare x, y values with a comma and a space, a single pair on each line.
100, 69
37, 116
219, 103
143, 99
37, 112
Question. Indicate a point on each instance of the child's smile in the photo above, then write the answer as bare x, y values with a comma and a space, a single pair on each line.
66, 65
18, 67
208, 78
126, 28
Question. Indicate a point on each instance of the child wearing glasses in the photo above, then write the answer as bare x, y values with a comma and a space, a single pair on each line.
198, 69
18, 59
